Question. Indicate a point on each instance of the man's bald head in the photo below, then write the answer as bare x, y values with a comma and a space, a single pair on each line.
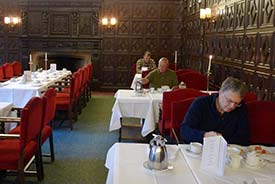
163, 64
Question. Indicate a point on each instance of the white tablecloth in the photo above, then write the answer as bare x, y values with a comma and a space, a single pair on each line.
19, 94
5, 110
128, 104
125, 164
137, 76
242, 175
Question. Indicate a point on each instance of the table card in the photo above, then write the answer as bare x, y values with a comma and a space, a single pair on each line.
53, 67
27, 76
214, 155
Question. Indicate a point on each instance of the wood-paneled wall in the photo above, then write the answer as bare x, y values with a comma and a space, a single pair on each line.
241, 40
142, 25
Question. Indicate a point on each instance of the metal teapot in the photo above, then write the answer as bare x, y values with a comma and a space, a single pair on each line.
139, 86
158, 156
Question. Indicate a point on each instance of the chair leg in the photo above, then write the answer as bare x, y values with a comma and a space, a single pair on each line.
39, 165
51, 147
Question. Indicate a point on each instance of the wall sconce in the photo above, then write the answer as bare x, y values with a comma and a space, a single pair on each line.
205, 13
12, 21
108, 22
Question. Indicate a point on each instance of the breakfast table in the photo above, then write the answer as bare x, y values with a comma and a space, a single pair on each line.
130, 104
125, 162
18, 92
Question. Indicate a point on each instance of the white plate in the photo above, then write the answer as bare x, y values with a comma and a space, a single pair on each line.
146, 166
260, 165
192, 154
259, 149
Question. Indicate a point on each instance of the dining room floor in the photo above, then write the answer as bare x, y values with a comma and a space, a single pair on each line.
80, 154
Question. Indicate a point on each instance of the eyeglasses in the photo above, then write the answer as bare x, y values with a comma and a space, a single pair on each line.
228, 100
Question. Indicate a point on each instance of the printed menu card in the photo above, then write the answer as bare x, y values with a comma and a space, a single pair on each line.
53, 67
27, 76
214, 155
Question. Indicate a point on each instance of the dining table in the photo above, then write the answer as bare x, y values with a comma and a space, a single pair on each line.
136, 105
19, 92
125, 162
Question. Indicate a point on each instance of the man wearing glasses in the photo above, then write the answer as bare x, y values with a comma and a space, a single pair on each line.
222, 114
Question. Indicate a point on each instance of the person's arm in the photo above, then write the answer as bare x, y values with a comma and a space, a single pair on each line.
189, 128
139, 65
175, 81
154, 65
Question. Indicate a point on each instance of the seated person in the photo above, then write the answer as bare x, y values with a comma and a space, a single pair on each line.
223, 114
146, 61
162, 76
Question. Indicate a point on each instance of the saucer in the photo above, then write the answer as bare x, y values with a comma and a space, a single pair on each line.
146, 166
260, 165
192, 154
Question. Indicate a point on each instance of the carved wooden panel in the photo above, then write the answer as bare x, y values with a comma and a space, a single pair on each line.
237, 50
151, 28
252, 13
123, 28
229, 9
267, 13
60, 24
265, 51
34, 23
250, 50
240, 14
138, 27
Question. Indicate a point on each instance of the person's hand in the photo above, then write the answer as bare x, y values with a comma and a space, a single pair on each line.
144, 81
211, 133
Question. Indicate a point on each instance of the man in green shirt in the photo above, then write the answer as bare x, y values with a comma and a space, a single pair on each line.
162, 76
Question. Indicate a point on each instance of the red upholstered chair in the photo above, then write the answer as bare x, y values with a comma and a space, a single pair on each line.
17, 68
194, 80
67, 101
165, 124
172, 66
178, 111
181, 71
2, 75
250, 96
134, 68
261, 118
8, 70
16, 151
49, 102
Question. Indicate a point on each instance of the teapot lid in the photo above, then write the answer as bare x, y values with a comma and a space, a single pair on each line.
158, 140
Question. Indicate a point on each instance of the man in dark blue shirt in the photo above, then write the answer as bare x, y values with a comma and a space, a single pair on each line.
222, 114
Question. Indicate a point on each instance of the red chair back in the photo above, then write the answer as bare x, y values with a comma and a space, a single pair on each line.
50, 105
17, 68
250, 96
31, 121
178, 112
134, 68
261, 118
2, 75
172, 66
8, 70
172, 96
181, 71
194, 80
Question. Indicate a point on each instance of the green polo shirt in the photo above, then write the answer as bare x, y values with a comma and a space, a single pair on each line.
157, 79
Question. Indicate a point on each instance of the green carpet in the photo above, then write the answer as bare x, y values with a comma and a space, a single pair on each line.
80, 154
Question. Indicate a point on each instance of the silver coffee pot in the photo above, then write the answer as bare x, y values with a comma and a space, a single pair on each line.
158, 156
139, 86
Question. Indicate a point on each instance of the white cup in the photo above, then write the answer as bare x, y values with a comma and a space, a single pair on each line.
152, 90
235, 161
252, 159
195, 147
